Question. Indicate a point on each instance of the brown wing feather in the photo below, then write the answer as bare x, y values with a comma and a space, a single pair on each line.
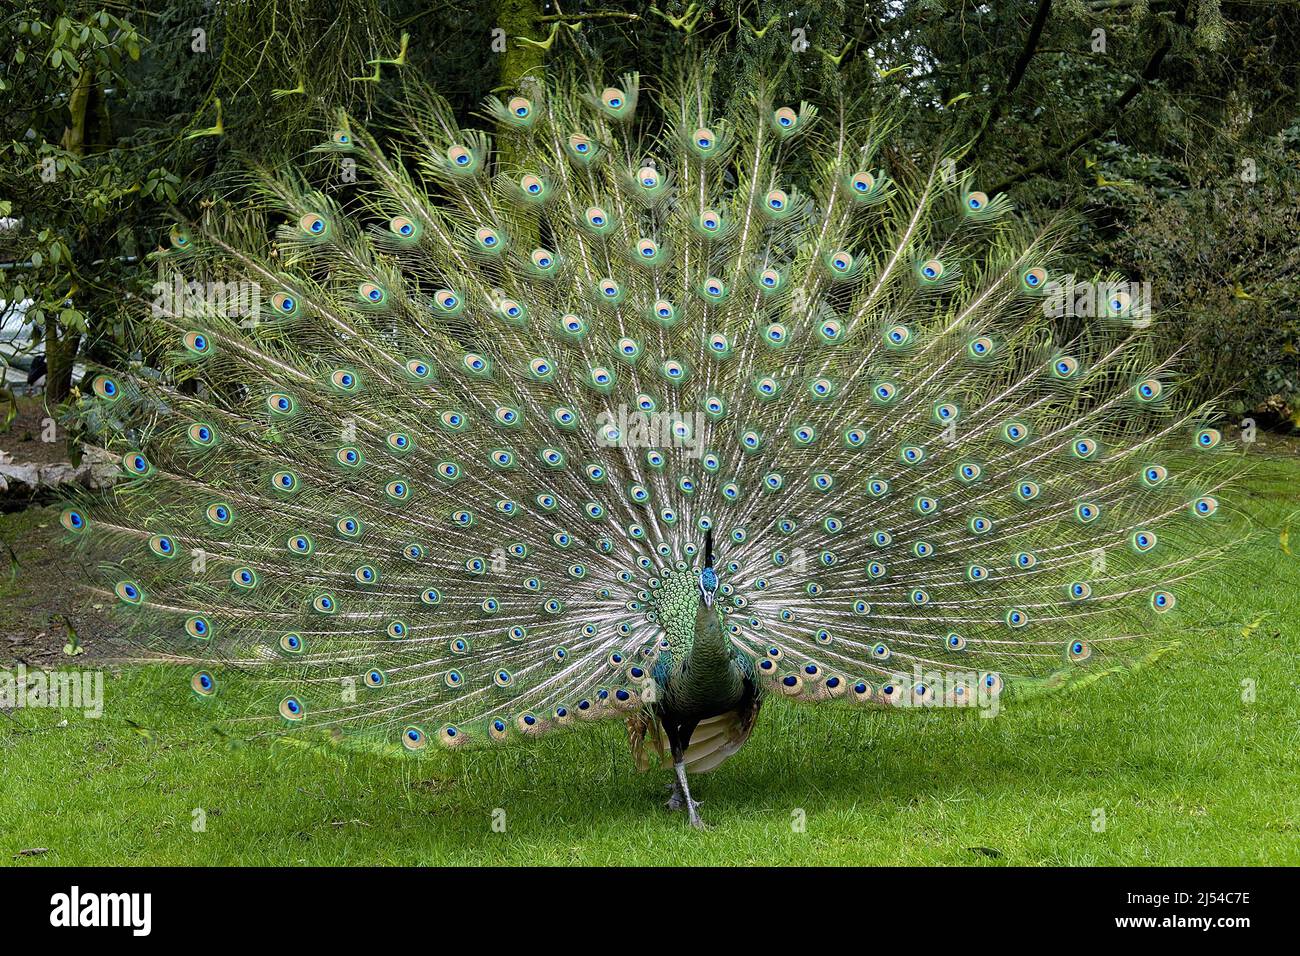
713, 741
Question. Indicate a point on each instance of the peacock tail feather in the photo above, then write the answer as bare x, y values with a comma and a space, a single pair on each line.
448, 479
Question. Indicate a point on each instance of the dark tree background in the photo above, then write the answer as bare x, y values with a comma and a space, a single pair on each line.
1171, 127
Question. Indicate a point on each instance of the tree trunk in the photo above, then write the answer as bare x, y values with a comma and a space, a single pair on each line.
520, 18
60, 355
60, 343
89, 130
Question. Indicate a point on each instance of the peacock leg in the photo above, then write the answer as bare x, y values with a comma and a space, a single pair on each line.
679, 736
692, 807
675, 801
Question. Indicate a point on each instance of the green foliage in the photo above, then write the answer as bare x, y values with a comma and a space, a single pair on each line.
1097, 106
1227, 271
58, 161
112, 125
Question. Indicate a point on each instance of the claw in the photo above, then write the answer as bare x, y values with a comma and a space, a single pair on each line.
695, 816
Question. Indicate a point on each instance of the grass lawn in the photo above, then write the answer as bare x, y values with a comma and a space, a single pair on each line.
1167, 764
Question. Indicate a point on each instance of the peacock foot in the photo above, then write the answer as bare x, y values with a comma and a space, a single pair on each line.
695, 820
676, 801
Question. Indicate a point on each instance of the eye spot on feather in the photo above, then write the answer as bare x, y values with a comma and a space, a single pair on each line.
461, 158
202, 435
313, 225
203, 684
785, 118
898, 335
106, 388
128, 592
196, 343
198, 627
1143, 541
73, 520
135, 463
862, 182
1033, 278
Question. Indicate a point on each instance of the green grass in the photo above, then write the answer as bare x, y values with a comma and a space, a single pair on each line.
1185, 771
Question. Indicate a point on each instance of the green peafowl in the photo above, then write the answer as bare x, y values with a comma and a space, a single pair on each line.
635, 408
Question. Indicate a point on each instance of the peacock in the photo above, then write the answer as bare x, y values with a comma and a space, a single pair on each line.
642, 403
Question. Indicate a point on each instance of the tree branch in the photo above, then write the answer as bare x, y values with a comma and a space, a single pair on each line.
1108, 117
597, 15
1017, 71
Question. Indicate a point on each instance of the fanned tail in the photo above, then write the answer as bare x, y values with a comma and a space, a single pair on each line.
482, 401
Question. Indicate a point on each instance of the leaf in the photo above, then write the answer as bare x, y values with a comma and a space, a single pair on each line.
32, 851
986, 851
885, 74
7, 396
1253, 626
1284, 539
